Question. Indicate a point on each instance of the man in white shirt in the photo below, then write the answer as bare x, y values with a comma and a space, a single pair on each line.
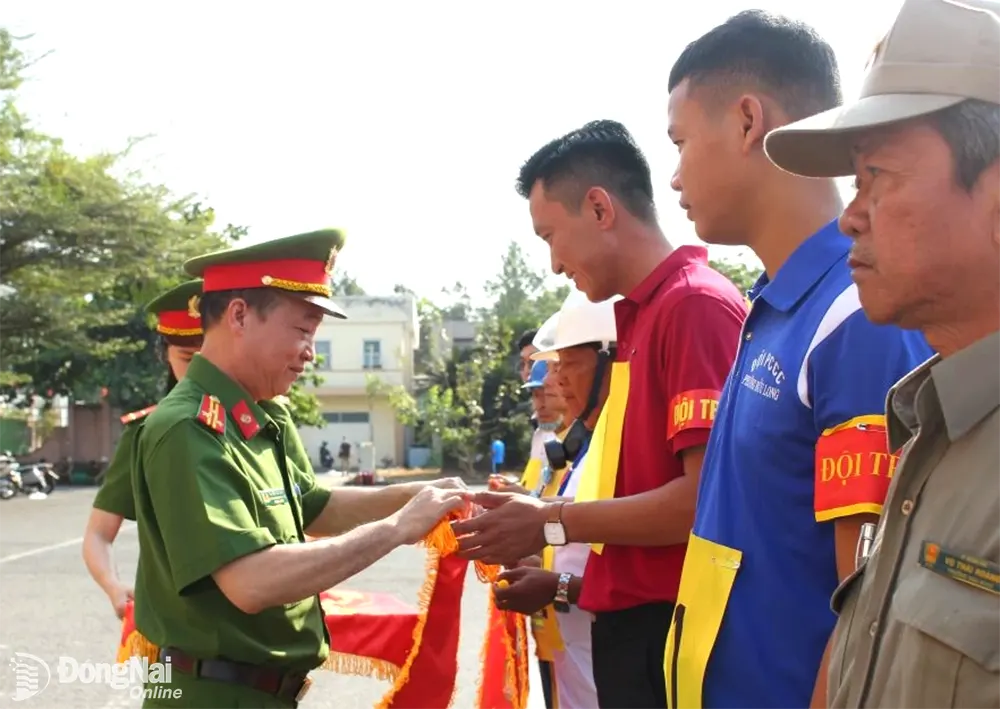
580, 351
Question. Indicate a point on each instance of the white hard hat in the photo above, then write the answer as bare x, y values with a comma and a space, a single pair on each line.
577, 322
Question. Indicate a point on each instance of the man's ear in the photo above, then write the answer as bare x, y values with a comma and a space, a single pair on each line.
751, 114
599, 203
237, 313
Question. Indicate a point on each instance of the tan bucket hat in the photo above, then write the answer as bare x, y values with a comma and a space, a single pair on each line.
938, 53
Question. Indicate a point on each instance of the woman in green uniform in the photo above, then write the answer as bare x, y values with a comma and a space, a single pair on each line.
179, 325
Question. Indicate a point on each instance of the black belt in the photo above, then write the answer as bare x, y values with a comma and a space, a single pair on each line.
286, 686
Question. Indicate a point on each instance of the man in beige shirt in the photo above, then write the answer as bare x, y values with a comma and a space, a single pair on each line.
919, 621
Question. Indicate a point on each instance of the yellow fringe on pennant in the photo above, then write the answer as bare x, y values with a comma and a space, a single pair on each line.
137, 645
347, 664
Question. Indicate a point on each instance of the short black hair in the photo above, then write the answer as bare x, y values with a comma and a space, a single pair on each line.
214, 303
785, 58
526, 338
601, 153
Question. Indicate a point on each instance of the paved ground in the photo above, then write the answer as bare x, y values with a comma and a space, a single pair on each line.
50, 608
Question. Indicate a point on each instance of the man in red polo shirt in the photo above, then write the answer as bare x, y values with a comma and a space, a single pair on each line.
591, 200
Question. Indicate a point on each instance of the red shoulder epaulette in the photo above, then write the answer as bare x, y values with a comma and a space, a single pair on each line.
212, 413
136, 415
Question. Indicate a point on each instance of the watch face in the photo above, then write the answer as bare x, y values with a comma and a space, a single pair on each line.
555, 534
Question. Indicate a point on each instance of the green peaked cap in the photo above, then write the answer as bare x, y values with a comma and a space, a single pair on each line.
177, 310
300, 264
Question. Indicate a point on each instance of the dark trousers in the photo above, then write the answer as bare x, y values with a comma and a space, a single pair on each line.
545, 670
628, 647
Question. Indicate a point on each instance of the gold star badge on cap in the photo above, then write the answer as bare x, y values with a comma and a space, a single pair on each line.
193, 303
331, 261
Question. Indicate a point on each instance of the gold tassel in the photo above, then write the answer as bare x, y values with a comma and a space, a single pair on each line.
347, 664
136, 645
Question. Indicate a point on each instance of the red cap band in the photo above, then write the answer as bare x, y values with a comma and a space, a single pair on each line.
178, 323
286, 274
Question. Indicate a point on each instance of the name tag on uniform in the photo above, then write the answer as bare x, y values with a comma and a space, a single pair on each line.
273, 497
981, 573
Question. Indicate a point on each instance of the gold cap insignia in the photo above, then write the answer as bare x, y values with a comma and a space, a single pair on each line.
331, 261
193, 303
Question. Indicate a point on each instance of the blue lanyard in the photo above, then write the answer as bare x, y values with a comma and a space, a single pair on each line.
576, 464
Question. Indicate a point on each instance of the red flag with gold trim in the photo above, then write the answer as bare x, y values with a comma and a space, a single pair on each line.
503, 680
377, 635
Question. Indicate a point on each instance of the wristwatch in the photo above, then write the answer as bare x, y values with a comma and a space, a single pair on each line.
555, 532
561, 600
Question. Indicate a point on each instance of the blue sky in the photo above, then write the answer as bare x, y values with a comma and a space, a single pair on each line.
403, 123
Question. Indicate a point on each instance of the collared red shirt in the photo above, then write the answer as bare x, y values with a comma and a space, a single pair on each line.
678, 330
217, 476
798, 442
920, 620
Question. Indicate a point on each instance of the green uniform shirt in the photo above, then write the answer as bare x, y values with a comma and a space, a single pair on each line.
214, 480
115, 495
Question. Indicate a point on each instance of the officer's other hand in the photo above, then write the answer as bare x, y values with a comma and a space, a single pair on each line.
425, 509
120, 596
527, 590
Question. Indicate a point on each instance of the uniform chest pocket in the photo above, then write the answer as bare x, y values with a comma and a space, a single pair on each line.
274, 511
949, 644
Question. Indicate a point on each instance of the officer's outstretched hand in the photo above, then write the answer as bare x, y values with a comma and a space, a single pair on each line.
425, 509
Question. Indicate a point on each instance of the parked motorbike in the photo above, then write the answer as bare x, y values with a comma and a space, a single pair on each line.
40, 477
10, 478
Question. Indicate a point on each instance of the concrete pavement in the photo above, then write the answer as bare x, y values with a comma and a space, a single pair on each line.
49, 607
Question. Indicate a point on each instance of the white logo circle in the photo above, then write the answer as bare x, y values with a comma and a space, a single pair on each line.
32, 675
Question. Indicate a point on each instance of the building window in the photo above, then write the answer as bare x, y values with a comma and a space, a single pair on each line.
346, 417
373, 354
322, 348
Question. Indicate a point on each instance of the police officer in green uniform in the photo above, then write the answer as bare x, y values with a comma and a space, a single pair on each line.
179, 326
227, 583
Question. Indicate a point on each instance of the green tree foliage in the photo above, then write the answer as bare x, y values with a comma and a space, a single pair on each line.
345, 284
304, 405
452, 415
69, 229
520, 302
82, 250
741, 274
